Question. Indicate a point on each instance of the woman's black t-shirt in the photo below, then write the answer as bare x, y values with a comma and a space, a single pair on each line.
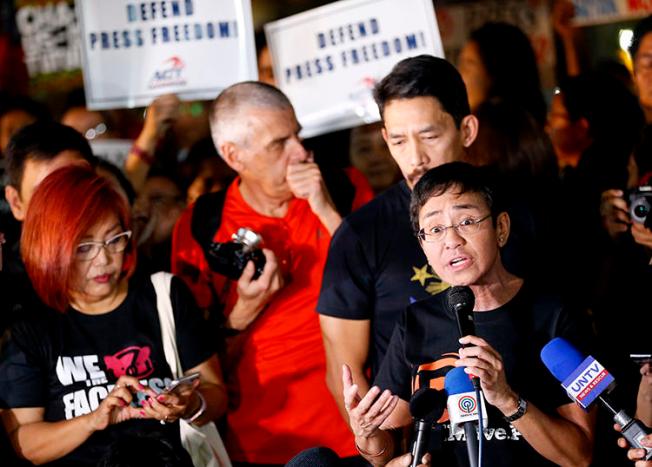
424, 348
68, 362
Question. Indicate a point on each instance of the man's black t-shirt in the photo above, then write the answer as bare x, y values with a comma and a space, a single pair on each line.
376, 268
424, 348
68, 362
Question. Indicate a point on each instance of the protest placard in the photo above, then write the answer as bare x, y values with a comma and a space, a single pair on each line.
327, 60
133, 51
49, 37
591, 12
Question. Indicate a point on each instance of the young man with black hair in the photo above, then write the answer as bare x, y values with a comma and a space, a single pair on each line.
32, 154
375, 266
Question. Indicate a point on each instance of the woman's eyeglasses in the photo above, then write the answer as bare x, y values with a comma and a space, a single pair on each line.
87, 251
438, 232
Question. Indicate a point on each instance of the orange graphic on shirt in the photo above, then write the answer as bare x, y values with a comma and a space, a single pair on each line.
432, 375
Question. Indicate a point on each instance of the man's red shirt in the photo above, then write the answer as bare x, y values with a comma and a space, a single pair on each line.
278, 400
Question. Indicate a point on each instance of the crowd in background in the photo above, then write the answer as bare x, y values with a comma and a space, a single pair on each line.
80, 238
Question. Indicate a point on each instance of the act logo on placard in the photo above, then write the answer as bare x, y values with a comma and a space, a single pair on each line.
169, 74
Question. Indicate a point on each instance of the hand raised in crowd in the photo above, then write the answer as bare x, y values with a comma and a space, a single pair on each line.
160, 115
254, 294
563, 12
614, 213
406, 459
636, 455
172, 406
368, 413
116, 406
483, 361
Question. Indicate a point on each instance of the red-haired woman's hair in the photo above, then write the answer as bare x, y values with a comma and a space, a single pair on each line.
67, 204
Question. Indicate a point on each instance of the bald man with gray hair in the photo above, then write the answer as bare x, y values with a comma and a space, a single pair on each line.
275, 351
233, 102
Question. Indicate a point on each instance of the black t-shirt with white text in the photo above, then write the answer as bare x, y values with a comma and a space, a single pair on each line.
68, 362
424, 348
376, 268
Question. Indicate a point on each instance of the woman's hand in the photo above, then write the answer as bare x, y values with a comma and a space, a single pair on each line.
485, 362
169, 407
116, 407
366, 414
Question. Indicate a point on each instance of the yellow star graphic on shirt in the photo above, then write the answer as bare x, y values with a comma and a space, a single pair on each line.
421, 275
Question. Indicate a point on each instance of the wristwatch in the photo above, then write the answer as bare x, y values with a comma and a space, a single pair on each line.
520, 411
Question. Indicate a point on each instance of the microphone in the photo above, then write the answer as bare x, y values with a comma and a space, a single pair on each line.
426, 406
463, 410
585, 381
460, 301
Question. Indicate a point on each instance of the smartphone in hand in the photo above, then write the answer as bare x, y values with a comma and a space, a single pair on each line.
180, 385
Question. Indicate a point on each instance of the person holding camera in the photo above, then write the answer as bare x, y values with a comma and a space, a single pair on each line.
275, 356
90, 366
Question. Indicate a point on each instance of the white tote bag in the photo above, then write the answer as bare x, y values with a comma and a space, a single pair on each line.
203, 443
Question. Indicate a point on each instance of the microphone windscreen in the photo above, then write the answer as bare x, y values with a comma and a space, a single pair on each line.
561, 358
427, 404
460, 297
457, 381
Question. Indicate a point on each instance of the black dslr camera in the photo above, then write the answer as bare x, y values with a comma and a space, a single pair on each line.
640, 205
230, 258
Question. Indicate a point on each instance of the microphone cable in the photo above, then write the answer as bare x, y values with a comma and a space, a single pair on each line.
478, 396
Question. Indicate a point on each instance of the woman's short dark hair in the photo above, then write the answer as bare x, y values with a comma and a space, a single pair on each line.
464, 177
425, 76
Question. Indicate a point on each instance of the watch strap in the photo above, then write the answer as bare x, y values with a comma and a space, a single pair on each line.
520, 411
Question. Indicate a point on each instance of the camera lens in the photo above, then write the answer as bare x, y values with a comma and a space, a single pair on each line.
641, 210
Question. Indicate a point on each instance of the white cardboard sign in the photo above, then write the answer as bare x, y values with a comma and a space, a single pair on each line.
327, 60
133, 51
590, 12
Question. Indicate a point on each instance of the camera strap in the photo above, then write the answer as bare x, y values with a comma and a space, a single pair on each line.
207, 213
206, 218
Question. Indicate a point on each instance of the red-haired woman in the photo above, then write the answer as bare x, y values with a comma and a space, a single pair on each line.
88, 370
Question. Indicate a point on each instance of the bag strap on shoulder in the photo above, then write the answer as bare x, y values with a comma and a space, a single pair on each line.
162, 282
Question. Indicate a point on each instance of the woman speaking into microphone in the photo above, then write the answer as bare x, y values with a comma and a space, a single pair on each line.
461, 227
